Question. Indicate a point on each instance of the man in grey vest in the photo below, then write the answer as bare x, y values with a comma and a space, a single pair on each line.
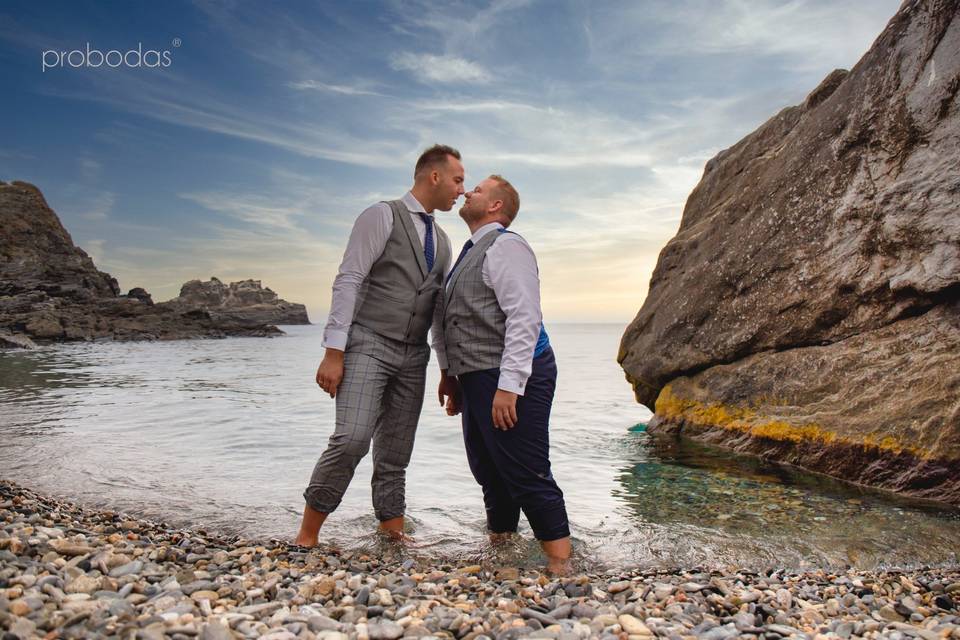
384, 299
499, 369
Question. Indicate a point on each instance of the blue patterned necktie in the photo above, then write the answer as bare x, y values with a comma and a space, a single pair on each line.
463, 252
428, 241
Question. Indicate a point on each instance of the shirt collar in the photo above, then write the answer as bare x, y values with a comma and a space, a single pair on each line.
484, 230
413, 204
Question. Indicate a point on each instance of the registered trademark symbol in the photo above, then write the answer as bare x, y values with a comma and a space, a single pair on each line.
177, 42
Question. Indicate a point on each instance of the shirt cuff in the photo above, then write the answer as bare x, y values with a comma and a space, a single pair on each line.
442, 359
512, 381
335, 339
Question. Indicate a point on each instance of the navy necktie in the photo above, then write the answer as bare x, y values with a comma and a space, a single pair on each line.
463, 252
428, 241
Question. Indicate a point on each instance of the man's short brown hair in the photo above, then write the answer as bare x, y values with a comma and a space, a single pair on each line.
509, 195
433, 156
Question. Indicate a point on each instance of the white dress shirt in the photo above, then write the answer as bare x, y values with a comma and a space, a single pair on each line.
510, 269
367, 242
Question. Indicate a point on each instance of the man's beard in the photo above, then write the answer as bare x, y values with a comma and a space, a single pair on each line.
467, 215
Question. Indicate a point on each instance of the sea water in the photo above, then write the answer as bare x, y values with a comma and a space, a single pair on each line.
223, 435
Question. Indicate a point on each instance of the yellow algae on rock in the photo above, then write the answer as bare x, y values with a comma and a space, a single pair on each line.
673, 408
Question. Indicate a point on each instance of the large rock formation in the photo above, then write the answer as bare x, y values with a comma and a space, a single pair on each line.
50, 290
38, 255
808, 308
244, 300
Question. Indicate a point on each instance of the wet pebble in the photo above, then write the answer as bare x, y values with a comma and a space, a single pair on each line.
386, 630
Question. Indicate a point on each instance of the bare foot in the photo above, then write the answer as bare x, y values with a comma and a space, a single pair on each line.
558, 556
393, 529
401, 538
558, 568
305, 540
497, 539
398, 537
310, 527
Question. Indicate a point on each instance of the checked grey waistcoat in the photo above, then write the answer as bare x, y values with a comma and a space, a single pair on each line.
397, 298
474, 325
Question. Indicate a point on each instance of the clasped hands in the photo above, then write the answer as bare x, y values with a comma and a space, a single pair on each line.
504, 408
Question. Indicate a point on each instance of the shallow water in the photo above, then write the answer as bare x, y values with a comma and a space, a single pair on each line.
224, 434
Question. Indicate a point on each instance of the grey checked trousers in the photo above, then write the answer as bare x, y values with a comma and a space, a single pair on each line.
378, 400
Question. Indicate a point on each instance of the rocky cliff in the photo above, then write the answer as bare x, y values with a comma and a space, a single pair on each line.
38, 255
808, 309
50, 289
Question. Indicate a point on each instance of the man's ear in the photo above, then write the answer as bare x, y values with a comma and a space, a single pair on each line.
435, 177
496, 207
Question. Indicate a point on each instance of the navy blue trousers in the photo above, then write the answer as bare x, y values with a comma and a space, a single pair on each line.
513, 466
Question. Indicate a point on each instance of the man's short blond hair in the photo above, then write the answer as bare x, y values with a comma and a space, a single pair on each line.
509, 195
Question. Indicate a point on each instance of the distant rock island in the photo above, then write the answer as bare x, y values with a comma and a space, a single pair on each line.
246, 300
808, 309
51, 291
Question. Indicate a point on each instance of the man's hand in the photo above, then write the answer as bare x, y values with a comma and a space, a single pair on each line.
330, 371
450, 394
504, 409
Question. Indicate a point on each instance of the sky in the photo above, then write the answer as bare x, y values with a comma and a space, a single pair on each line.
248, 142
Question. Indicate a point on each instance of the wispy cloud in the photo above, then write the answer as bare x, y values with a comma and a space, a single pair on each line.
347, 90
453, 23
520, 133
426, 67
94, 249
99, 206
14, 154
812, 34
288, 203
478, 106
184, 103
256, 209
34, 41
89, 168
85, 202
806, 35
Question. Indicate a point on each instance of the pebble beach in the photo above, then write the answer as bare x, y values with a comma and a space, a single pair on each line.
73, 572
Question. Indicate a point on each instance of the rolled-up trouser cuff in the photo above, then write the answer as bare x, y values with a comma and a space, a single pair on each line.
319, 505
383, 516
549, 523
503, 519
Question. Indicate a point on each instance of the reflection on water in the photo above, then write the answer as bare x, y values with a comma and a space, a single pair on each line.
224, 433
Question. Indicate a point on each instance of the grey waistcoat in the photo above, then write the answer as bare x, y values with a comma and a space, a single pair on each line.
398, 296
474, 325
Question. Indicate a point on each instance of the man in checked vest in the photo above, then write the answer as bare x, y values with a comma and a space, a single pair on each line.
498, 369
384, 299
